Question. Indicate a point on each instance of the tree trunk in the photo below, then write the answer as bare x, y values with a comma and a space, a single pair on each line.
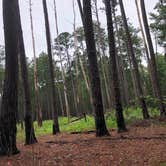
76, 60
117, 98
100, 48
101, 129
51, 68
122, 76
37, 102
80, 60
153, 62
81, 10
29, 129
146, 47
72, 82
62, 72
9, 107
134, 63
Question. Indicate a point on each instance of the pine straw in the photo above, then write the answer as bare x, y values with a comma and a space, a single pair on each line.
145, 145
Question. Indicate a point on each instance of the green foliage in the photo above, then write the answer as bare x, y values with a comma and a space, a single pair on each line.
131, 115
46, 129
161, 67
159, 22
2, 56
151, 101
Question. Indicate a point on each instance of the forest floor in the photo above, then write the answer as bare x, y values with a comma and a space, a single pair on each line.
143, 145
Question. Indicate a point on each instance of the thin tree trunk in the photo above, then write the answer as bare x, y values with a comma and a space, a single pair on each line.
101, 62
60, 99
146, 47
29, 129
62, 72
37, 102
123, 78
86, 81
61, 102
72, 82
134, 63
64, 87
51, 68
101, 129
81, 10
133, 76
77, 60
117, 98
153, 62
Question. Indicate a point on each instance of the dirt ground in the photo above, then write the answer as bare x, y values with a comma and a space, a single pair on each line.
140, 146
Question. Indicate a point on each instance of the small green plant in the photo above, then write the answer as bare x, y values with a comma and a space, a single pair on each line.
130, 115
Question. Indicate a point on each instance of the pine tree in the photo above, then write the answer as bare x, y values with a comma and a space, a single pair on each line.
116, 87
51, 67
101, 129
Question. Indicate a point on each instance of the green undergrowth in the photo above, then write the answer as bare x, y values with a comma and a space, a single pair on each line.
163, 164
130, 114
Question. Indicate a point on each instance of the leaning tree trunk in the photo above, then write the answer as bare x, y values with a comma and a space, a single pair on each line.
62, 72
29, 129
153, 62
51, 67
9, 107
37, 102
135, 65
117, 98
145, 45
72, 82
101, 129
76, 60
64, 86
81, 10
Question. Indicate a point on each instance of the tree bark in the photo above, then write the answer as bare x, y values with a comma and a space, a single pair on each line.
80, 60
101, 129
51, 68
146, 47
9, 107
134, 63
101, 49
153, 62
117, 97
29, 129
81, 10
122, 76
76, 61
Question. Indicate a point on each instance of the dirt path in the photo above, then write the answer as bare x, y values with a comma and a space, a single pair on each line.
141, 146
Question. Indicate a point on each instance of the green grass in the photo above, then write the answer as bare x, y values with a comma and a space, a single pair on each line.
163, 164
130, 114
46, 129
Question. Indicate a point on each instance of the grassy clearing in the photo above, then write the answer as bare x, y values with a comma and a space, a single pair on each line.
130, 116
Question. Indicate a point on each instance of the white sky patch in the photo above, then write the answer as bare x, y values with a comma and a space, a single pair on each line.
65, 20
